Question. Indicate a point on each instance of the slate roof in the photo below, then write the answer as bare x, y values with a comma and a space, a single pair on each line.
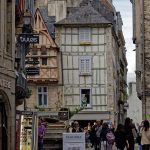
49, 20
85, 14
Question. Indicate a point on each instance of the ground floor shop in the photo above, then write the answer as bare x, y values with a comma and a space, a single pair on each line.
7, 112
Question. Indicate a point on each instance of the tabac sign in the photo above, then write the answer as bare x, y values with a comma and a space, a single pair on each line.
28, 38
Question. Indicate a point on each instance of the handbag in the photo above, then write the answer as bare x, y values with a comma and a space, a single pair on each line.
138, 139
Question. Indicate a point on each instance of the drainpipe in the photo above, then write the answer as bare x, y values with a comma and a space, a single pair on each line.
143, 47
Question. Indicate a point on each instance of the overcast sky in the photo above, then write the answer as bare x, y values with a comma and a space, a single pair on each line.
125, 7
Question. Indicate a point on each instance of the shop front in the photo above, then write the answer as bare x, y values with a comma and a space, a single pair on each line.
3, 127
7, 113
3, 121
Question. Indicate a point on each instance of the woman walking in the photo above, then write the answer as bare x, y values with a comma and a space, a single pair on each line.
145, 136
104, 137
130, 132
120, 138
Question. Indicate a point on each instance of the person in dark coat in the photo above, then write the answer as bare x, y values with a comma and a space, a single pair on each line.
121, 138
129, 130
104, 141
76, 127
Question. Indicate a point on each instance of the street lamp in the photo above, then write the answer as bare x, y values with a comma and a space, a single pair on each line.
27, 28
27, 17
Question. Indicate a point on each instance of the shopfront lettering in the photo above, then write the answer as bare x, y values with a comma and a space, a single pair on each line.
4, 83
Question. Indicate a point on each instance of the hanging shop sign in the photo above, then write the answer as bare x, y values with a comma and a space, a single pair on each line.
32, 71
28, 38
27, 113
32, 62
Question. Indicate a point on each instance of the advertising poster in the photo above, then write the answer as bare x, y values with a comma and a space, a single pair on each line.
73, 141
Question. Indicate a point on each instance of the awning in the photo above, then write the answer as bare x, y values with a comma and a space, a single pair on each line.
91, 116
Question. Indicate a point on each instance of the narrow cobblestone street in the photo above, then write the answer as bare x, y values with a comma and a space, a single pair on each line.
114, 148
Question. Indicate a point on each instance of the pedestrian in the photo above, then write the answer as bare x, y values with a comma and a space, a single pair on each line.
41, 133
76, 127
130, 132
106, 136
145, 136
89, 126
93, 135
87, 137
138, 139
121, 138
97, 130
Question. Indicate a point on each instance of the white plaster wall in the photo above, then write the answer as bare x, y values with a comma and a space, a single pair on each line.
71, 51
135, 105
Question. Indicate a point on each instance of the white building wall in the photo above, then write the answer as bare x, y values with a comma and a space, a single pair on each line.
135, 104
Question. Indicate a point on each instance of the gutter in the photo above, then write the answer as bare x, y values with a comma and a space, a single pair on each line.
143, 47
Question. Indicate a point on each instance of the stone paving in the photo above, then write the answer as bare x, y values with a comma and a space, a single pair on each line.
136, 148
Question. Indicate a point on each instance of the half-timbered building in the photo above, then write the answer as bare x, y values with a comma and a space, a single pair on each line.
42, 64
88, 40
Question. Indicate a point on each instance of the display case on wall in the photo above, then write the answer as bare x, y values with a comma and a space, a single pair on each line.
26, 133
25, 130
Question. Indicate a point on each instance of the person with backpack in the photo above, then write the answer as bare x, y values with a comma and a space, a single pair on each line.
120, 138
107, 137
97, 130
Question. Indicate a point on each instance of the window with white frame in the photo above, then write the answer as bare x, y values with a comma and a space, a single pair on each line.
84, 35
42, 96
85, 65
85, 97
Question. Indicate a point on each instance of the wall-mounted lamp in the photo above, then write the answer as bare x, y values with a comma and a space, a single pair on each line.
27, 17
27, 28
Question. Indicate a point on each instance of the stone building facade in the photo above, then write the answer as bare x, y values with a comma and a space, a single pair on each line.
7, 75
141, 39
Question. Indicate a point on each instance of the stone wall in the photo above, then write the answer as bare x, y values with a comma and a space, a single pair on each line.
147, 54
7, 53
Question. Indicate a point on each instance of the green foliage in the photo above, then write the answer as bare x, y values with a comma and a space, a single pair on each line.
125, 95
28, 93
39, 108
76, 110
